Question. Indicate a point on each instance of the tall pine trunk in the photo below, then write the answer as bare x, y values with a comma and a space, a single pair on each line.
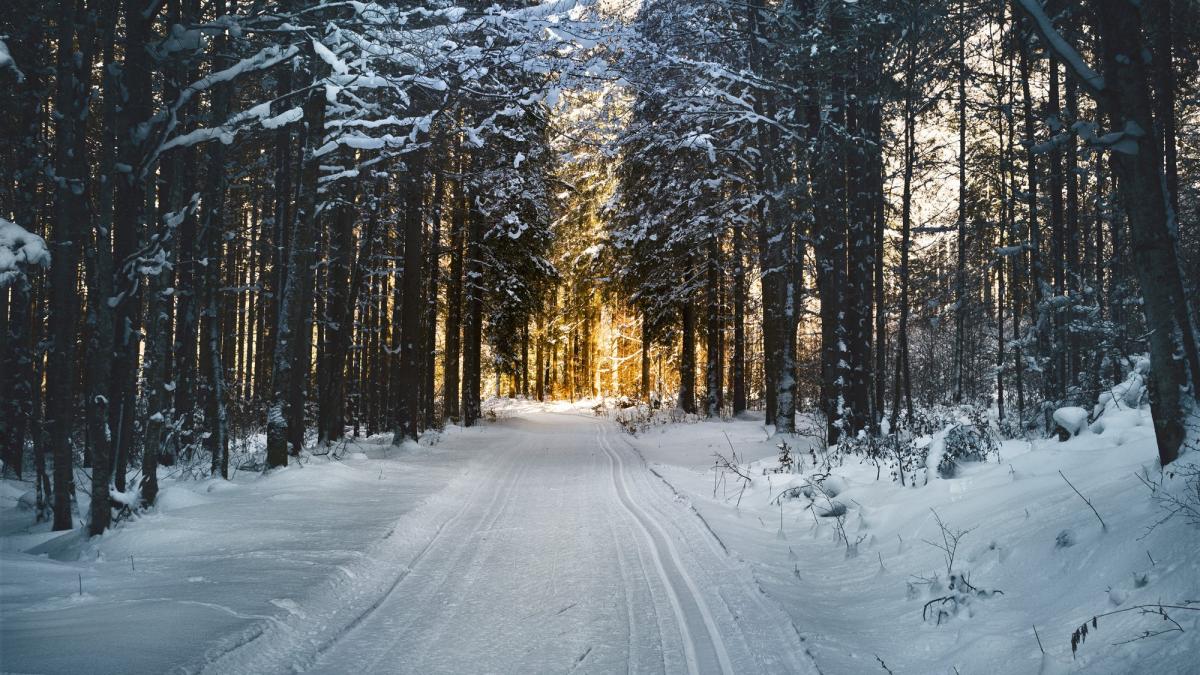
412, 342
739, 324
70, 217
284, 416
472, 320
712, 333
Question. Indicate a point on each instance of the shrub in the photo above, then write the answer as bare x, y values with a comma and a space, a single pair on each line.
970, 440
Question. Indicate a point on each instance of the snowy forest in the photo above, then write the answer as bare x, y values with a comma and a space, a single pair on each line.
239, 238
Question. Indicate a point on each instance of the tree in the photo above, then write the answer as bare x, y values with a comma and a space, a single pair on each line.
1123, 93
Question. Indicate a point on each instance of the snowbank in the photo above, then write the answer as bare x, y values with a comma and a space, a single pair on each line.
856, 559
213, 562
1071, 419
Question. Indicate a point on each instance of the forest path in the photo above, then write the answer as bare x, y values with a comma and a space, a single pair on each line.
562, 553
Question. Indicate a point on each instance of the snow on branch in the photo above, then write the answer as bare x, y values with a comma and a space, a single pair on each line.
330, 58
264, 59
7, 62
18, 247
1089, 79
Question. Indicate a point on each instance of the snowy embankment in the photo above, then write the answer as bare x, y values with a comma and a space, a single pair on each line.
1034, 553
216, 563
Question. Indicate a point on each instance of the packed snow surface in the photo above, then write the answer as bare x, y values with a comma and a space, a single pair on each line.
538, 544
551, 541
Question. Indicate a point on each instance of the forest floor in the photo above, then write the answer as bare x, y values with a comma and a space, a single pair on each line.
550, 540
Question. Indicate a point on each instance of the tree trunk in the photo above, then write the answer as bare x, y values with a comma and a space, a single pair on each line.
454, 298
539, 377
1141, 182
960, 276
687, 358
1035, 274
864, 118
429, 324
473, 321
903, 380
291, 347
1138, 163
739, 323
99, 356
70, 217
341, 299
712, 333
645, 380
211, 235
408, 411
1056, 373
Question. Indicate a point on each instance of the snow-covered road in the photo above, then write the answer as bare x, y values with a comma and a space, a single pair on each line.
566, 554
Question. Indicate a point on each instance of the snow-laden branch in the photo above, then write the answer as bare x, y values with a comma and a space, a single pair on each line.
1089, 79
8, 63
19, 247
264, 59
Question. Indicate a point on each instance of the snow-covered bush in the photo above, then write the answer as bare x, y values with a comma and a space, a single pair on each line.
638, 417
969, 440
935, 439
1070, 420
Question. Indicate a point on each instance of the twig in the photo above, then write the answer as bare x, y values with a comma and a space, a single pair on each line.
883, 665
950, 539
1103, 527
1039, 639
1079, 636
943, 600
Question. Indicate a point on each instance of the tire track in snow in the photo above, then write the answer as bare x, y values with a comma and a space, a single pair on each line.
659, 545
738, 572
465, 550
373, 607
281, 645
463, 566
626, 589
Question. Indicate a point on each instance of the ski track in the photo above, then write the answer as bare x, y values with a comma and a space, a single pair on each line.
560, 551
658, 545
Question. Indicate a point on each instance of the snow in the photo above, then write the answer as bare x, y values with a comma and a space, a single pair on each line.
19, 247
8, 63
855, 603
699, 141
548, 539
209, 563
1091, 80
1071, 418
330, 58
283, 119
